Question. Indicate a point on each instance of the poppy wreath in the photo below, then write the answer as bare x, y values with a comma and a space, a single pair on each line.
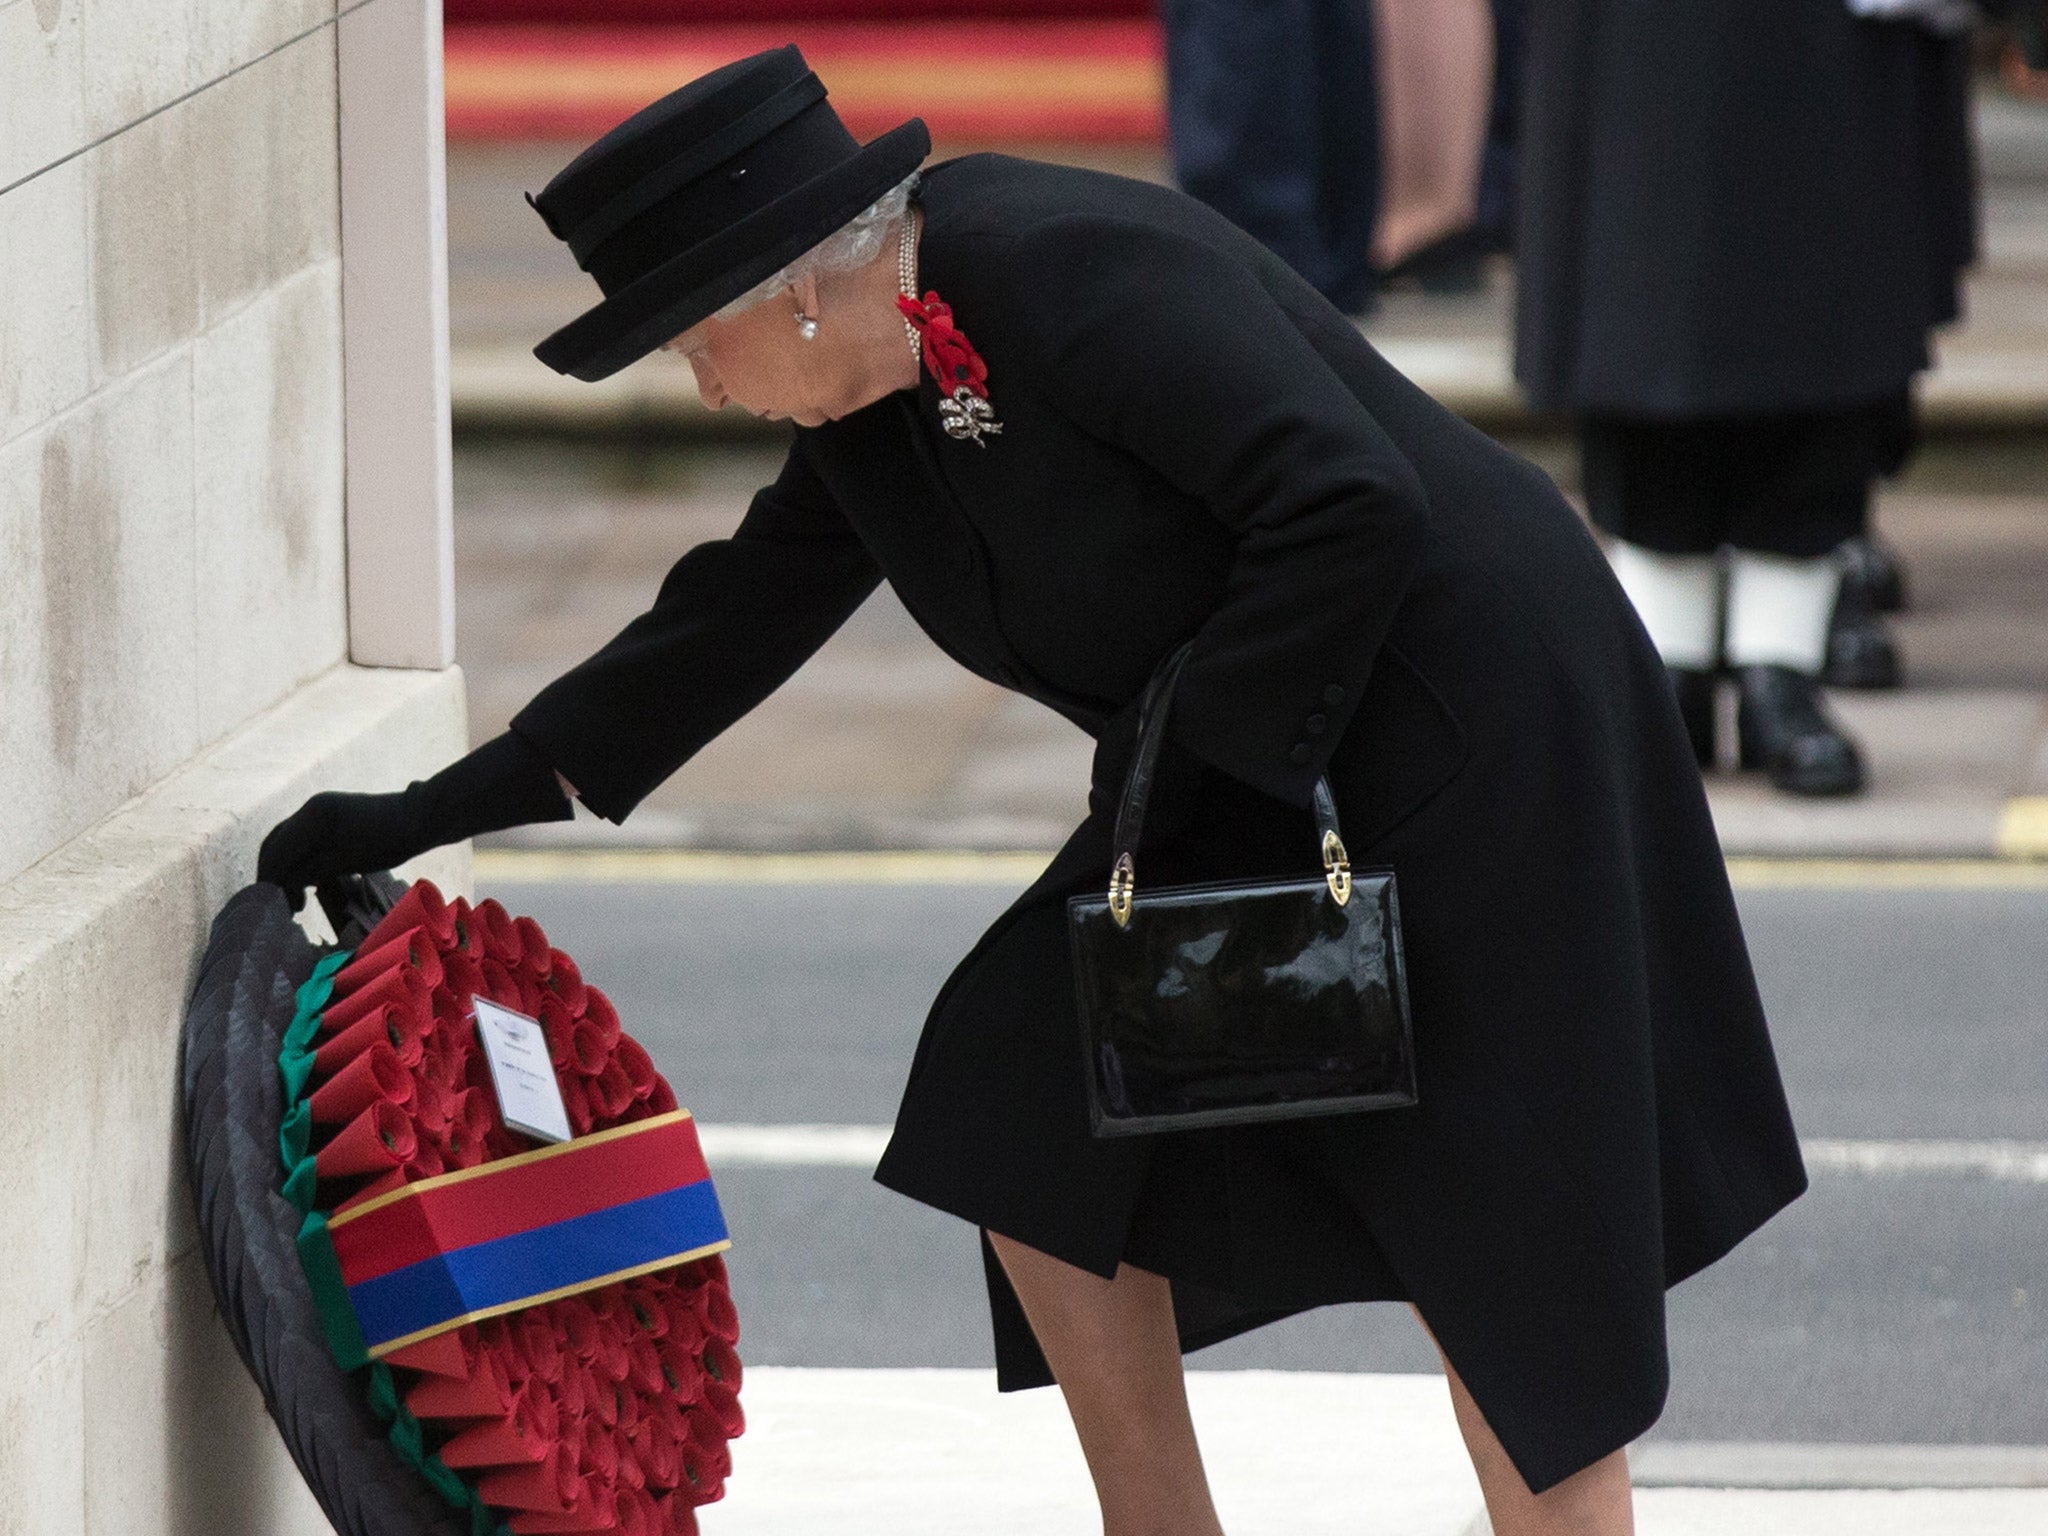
598, 1403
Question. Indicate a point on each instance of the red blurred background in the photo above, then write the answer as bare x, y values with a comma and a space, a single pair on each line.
977, 71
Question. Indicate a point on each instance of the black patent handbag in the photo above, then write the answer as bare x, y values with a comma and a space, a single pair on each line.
1234, 1002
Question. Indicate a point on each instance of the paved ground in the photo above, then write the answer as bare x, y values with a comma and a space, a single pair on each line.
936, 1453
881, 741
1886, 1306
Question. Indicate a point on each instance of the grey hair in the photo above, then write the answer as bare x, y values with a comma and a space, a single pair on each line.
853, 244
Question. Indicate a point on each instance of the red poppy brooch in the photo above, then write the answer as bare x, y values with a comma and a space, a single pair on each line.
950, 358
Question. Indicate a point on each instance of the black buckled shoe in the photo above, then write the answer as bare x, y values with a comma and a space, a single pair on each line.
1860, 649
1783, 730
1871, 574
1695, 690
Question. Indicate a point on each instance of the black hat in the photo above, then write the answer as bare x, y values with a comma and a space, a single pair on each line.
692, 201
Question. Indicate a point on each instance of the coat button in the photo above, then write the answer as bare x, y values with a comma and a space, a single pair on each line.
1315, 724
1334, 694
1299, 755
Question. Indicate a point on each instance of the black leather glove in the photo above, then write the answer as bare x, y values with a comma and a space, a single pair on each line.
503, 783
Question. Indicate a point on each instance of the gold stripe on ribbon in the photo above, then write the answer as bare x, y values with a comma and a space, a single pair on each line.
517, 1160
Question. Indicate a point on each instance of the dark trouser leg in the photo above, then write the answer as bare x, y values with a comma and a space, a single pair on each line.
1498, 166
1272, 122
1347, 148
1872, 582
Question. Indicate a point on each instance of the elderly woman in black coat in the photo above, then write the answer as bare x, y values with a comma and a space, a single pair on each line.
1149, 432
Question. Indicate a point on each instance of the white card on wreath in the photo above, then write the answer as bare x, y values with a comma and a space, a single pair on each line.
529, 1097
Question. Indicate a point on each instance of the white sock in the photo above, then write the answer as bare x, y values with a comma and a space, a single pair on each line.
1678, 599
1778, 610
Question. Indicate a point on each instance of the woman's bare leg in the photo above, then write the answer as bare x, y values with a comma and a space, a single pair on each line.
1114, 1350
1594, 1501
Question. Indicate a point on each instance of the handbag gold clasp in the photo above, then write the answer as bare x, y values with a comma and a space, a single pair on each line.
1337, 867
1123, 880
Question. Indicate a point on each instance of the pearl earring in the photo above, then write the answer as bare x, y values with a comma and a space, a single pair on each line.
806, 327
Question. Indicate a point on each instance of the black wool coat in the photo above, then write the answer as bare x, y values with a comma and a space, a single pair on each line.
1732, 207
1196, 445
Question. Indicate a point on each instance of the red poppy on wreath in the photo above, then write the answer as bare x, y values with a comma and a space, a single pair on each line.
950, 357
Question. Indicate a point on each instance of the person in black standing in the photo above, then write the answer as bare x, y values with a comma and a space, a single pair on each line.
1740, 220
1273, 121
1159, 436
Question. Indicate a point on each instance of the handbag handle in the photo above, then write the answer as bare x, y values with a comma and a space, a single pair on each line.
1130, 814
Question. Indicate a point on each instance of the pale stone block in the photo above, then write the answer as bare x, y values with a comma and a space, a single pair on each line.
123, 1407
139, 55
134, 1209
228, 1469
41, 1453
75, 71
92, 1203
145, 291
168, 859
42, 84
175, 1435
42, 294
127, 1430
401, 588
264, 175
23, 668
358, 728
228, 33
44, 1148
96, 638
268, 430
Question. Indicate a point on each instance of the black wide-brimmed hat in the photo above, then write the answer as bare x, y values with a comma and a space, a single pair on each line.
692, 201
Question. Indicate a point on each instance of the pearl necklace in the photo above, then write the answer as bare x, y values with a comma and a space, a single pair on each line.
906, 276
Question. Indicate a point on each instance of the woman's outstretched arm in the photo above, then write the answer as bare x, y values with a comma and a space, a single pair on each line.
734, 619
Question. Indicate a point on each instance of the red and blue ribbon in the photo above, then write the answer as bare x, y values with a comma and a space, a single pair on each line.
525, 1230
